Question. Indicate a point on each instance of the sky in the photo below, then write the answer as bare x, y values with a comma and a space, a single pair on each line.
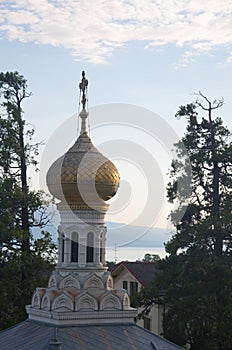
143, 59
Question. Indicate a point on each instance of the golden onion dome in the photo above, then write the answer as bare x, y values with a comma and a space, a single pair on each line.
83, 176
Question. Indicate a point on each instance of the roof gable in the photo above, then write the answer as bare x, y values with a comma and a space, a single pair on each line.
143, 271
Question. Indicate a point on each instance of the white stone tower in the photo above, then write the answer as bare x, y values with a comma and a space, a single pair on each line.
80, 290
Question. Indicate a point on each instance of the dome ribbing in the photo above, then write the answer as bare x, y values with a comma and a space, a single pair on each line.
83, 176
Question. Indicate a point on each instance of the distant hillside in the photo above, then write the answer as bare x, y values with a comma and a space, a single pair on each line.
125, 235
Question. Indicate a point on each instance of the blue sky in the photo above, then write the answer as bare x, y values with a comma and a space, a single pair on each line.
150, 53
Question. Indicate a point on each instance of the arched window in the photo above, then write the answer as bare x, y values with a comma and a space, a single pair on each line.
89, 247
74, 247
101, 248
62, 248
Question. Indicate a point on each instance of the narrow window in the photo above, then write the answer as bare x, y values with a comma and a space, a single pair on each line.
89, 248
101, 248
62, 248
125, 285
74, 247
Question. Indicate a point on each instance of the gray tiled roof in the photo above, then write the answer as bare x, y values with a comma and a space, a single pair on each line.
37, 335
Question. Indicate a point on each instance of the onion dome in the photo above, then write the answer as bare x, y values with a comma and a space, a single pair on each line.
83, 177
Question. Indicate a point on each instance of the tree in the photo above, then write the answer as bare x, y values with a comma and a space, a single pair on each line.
151, 257
15, 154
21, 208
209, 149
197, 276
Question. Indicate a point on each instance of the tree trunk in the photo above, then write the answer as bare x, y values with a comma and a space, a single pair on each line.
24, 185
215, 195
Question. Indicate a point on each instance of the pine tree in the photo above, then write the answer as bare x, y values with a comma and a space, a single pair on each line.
196, 277
21, 256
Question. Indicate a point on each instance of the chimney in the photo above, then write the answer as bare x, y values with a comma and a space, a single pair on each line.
54, 344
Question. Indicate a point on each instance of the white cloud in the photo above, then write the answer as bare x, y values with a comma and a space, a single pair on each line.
187, 58
92, 30
229, 58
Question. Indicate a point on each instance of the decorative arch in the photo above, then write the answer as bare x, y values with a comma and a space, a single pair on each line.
86, 302
110, 302
52, 282
35, 302
110, 283
126, 301
94, 282
69, 281
62, 302
46, 302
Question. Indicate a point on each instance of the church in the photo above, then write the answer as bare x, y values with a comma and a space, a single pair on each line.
80, 308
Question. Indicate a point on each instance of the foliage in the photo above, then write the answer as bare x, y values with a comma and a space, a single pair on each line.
195, 280
20, 277
151, 257
22, 258
209, 148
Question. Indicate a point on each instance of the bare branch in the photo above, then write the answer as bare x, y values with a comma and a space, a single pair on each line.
211, 105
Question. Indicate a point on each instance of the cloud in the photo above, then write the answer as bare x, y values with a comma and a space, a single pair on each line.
93, 30
229, 58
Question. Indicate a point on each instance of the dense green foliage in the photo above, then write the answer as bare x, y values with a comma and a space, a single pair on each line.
195, 280
24, 261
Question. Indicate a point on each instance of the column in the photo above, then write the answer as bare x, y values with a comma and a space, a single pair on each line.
97, 246
82, 251
66, 251
60, 241
104, 246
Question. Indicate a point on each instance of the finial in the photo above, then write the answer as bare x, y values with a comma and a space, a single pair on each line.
83, 114
83, 88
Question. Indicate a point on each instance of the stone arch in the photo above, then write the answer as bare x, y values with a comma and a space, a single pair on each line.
126, 301
52, 282
110, 283
69, 281
35, 302
67, 230
110, 302
86, 302
62, 302
94, 282
46, 302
